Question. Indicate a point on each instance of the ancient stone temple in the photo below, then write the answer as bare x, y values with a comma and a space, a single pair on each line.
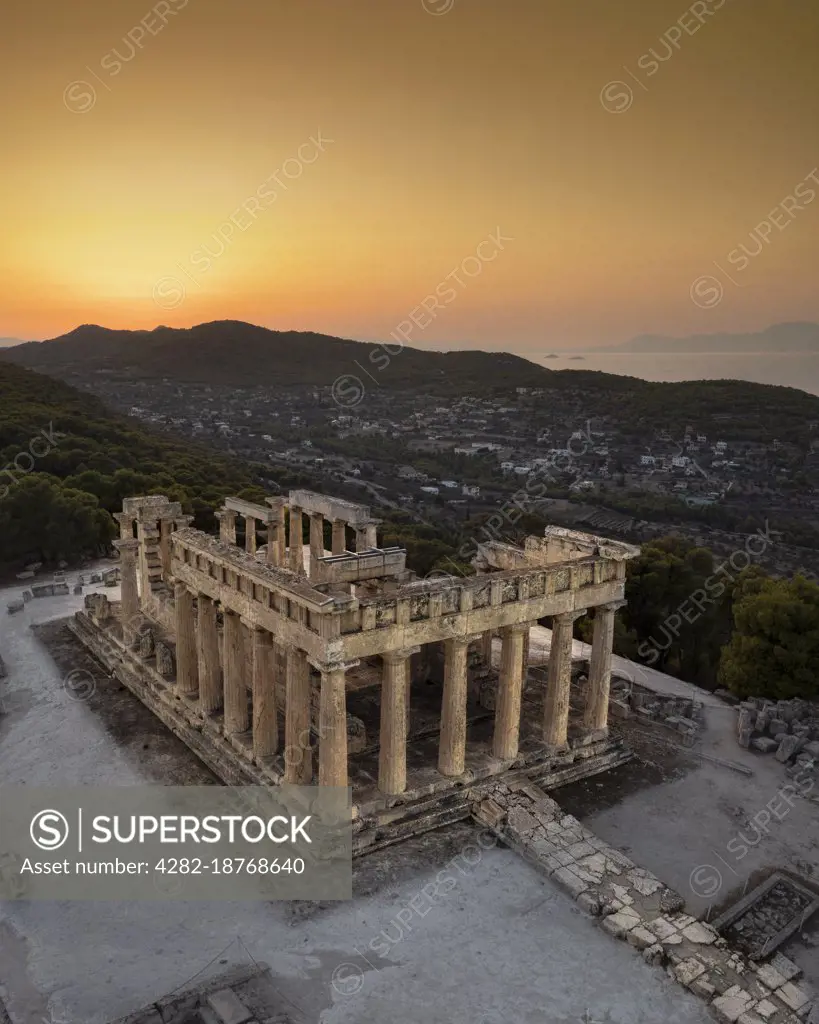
295, 651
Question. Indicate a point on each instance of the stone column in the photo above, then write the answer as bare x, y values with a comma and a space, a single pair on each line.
298, 754
227, 525
556, 711
486, 648
265, 722
129, 588
596, 712
333, 726
237, 719
187, 681
272, 556
392, 757
452, 749
316, 535
366, 537
296, 541
165, 532
510, 686
250, 535
126, 525
282, 538
339, 537
210, 669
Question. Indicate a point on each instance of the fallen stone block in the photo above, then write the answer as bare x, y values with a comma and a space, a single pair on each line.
730, 1006
641, 938
764, 744
228, 1007
777, 725
770, 976
622, 922
789, 746
765, 1009
569, 880
700, 933
688, 971
793, 996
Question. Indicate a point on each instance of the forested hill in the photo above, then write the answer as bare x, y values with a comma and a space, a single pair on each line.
232, 352
67, 462
240, 354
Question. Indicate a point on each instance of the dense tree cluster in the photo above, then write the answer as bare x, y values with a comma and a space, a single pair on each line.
66, 463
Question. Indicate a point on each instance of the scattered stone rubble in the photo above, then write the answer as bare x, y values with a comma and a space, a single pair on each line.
787, 728
682, 715
635, 906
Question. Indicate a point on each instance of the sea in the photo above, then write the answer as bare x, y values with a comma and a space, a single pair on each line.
790, 369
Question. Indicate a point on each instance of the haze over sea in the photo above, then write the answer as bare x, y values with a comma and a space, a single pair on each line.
790, 369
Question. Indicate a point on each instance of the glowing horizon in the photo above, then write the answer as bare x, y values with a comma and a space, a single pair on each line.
328, 167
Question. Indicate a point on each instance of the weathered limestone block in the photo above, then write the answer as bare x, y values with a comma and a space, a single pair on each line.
777, 725
165, 661
732, 1004
789, 746
689, 970
793, 996
764, 744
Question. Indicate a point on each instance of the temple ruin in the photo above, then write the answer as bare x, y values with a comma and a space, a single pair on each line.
287, 661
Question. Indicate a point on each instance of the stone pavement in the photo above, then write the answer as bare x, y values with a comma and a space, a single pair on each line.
635, 906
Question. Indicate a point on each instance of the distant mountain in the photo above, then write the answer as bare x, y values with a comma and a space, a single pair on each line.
232, 352
788, 337
7, 342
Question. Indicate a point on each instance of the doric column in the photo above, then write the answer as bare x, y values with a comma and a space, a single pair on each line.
227, 525
596, 713
298, 754
556, 711
187, 680
210, 670
265, 723
316, 535
296, 541
250, 535
333, 726
486, 648
366, 537
339, 537
281, 538
272, 556
236, 718
392, 756
129, 589
452, 749
126, 525
165, 531
510, 686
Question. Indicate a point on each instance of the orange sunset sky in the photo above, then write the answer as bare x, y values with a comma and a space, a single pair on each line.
133, 132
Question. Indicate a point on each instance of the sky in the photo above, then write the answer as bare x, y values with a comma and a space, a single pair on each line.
501, 174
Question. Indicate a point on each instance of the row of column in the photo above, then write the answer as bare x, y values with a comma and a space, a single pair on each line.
514, 657
223, 686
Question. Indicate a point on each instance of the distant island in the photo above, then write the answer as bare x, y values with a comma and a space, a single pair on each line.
785, 337
551, 355
571, 358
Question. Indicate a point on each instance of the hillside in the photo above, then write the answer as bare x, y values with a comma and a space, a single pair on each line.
68, 462
232, 352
